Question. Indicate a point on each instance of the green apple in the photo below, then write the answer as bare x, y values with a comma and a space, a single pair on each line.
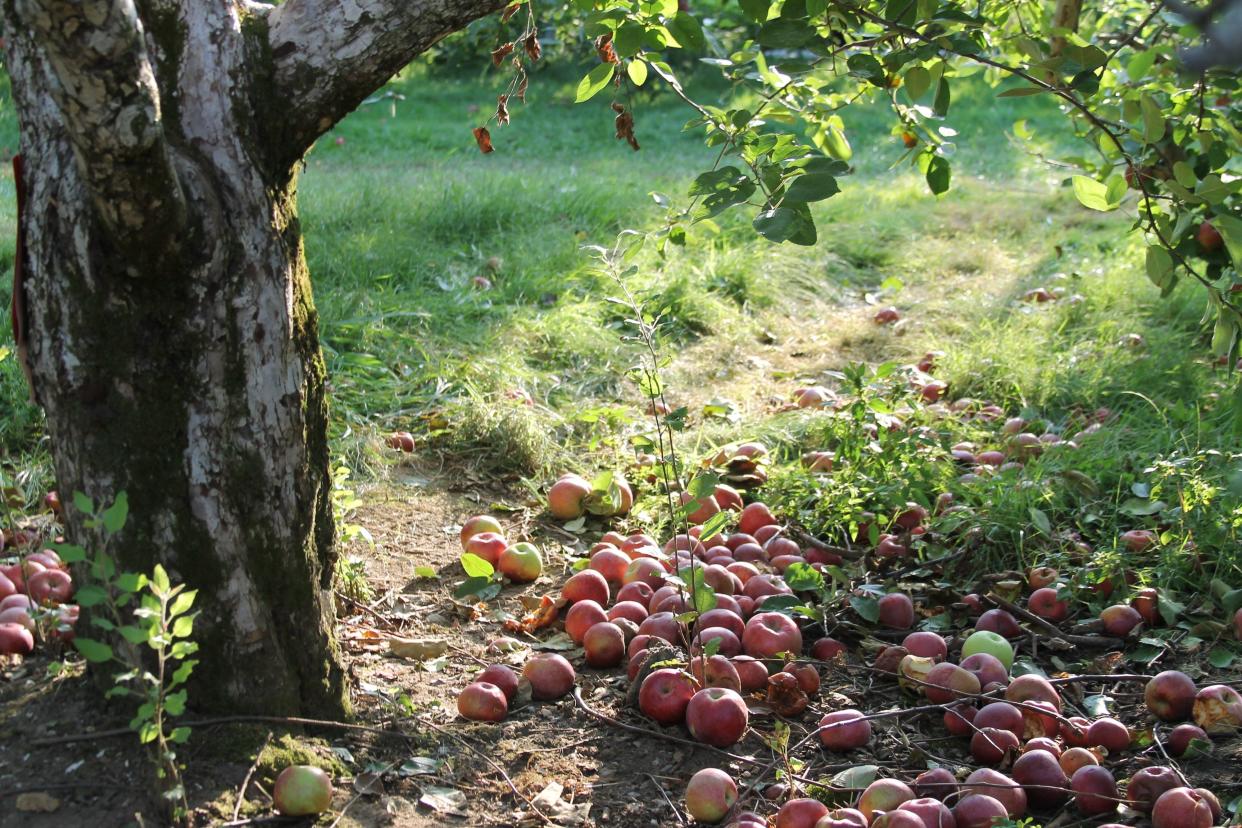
991, 643
521, 562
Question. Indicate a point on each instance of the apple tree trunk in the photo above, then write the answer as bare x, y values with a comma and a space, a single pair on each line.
167, 316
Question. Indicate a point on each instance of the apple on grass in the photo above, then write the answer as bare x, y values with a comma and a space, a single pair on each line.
302, 790
710, 795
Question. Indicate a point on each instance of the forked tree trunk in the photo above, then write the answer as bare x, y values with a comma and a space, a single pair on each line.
172, 335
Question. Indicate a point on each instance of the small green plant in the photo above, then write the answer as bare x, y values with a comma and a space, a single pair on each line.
147, 622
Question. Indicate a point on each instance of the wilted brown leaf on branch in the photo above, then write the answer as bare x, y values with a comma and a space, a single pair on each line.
484, 139
533, 50
500, 53
509, 12
502, 111
603, 45
625, 125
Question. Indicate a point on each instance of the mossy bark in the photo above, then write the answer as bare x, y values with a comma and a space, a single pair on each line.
193, 380
173, 339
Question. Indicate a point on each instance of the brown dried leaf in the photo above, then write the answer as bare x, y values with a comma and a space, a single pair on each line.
540, 616
501, 53
625, 125
531, 44
417, 648
603, 46
785, 695
502, 111
484, 139
521, 90
37, 802
509, 12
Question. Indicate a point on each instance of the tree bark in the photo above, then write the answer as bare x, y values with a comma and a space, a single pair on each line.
173, 339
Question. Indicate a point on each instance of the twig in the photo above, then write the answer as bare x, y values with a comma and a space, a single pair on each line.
664, 794
241, 794
286, 720
1052, 629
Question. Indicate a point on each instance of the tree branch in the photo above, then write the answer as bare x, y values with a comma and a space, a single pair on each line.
329, 55
107, 94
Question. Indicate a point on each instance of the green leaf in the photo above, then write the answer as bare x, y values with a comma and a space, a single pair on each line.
629, 39
756, 9
1022, 92
835, 143
1092, 194
594, 81
865, 66
812, 187
159, 581
182, 603
476, 567
183, 672
472, 586
131, 581
857, 777
114, 516
1041, 521
637, 70
135, 635
786, 224
1159, 265
688, 30
174, 703
801, 577
91, 595
147, 732
1221, 657
714, 525
179, 735
93, 651
917, 82
183, 627
939, 175
941, 104
83, 503
867, 608
784, 33
69, 553
1153, 120
424, 572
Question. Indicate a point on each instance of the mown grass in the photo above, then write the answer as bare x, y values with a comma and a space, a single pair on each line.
402, 214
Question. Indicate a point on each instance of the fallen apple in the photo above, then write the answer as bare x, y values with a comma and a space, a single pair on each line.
896, 611
1170, 695
1095, 790
710, 795
984, 641
302, 790
1218, 709
550, 675
717, 716
521, 563
1183, 736
567, 497
665, 694
477, 525
1181, 807
844, 730
1148, 784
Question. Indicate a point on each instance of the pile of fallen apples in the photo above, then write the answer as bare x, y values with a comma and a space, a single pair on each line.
34, 592
631, 606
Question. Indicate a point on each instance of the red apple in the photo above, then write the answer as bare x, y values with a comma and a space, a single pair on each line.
827, 649
999, 622
999, 786
1045, 603
1147, 784
1076, 757
604, 645
800, 813
926, 644
884, 795
1209, 238
947, 681
1138, 540
550, 675
587, 585
886, 316
1218, 709
751, 673
500, 676
888, 546
567, 497
1095, 790
931, 812
1045, 743
302, 790
639, 592
1170, 695
769, 633
986, 667
15, 639
478, 525
482, 702
1146, 602
631, 610
991, 746
1181, 808
1002, 715
662, 625
716, 716
1041, 776
937, 783
665, 694
1042, 576
844, 730
710, 795
581, 617
979, 811
959, 719
754, 516
521, 563
897, 611
728, 643
1120, 619
716, 671
1180, 738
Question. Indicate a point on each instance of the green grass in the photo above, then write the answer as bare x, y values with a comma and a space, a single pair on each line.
401, 213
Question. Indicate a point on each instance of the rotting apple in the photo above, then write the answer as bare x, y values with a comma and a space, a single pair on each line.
1218, 709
